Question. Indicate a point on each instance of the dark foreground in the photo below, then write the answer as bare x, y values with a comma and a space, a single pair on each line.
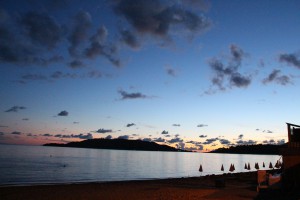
238, 186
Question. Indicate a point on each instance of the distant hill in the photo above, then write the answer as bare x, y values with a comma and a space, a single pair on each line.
266, 149
119, 144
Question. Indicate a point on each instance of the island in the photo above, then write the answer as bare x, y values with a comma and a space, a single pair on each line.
118, 144
265, 149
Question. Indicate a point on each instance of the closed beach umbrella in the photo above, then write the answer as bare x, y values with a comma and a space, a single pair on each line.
222, 168
264, 165
200, 168
277, 164
231, 168
248, 167
256, 166
245, 166
270, 165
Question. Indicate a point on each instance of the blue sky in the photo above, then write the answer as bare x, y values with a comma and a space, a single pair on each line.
193, 74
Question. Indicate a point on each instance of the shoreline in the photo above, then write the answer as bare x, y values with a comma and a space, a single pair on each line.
237, 186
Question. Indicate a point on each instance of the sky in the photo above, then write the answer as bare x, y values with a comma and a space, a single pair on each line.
193, 74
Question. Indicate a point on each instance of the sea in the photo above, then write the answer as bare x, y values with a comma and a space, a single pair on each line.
36, 165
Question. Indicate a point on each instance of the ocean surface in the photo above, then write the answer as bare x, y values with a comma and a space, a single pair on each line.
27, 165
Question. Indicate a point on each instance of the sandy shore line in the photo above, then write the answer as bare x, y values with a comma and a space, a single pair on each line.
239, 186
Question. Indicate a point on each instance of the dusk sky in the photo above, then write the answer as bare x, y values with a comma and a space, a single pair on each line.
192, 74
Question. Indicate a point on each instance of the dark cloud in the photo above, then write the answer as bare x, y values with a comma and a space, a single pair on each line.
224, 141
176, 125
170, 71
203, 5
136, 95
124, 137
277, 78
228, 76
63, 113
99, 47
47, 135
202, 136
201, 125
80, 136
109, 137
129, 125
33, 77
240, 136
290, 59
102, 130
42, 29
16, 108
175, 140
16, 133
158, 140
76, 64
81, 24
75, 122
165, 132
130, 39
155, 18
147, 139
210, 141
2, 126
244, 142
87, 136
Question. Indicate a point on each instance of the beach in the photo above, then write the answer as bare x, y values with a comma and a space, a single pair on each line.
228, 186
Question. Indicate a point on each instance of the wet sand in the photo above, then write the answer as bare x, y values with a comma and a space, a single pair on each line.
238, 186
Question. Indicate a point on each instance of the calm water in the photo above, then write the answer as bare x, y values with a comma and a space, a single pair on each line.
22, 165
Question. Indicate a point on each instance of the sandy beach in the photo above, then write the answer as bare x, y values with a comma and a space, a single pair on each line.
239, 186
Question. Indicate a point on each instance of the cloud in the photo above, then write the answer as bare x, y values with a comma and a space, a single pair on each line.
202, 136
102, 130
124, 137
178, 125
84, 136
210, 141
136, 95
76, 64
201, 125
241, 136
16, 108
109, 137
42, 29
290, 59
16, 133
63, 113
75, 122
158, 140
98, 47
130, 39
80, 136
171, 72
244, 142
165, 132
157, 19
275, 77
47, 135
2, 126
175, 140
147, 139
227, 75
129, 125
81, 24
224, 141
